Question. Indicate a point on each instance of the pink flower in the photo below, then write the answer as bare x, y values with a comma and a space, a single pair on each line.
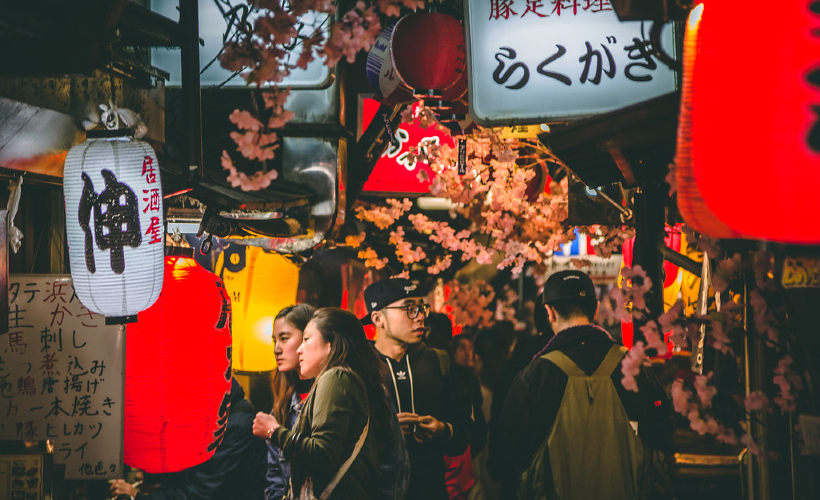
725, 273
757, 401
371, 259
631, 366
355, 240
705, 391
750, 443
696, 422
245, 120
680, 397
726, 436
654, 339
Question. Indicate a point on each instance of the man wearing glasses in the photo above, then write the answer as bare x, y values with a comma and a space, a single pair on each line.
433, 405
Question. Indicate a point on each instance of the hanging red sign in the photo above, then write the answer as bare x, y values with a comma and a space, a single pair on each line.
395, 173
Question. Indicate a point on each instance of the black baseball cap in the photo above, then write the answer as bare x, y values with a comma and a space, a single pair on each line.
568, 285
385, 292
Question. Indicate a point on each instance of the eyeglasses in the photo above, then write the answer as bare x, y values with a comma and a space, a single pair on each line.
413, 310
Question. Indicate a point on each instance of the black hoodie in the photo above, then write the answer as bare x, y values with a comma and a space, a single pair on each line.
437, 391
534, 398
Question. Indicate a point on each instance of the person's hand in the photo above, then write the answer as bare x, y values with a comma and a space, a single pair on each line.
407, 421
121, 487
429, 427
264, 424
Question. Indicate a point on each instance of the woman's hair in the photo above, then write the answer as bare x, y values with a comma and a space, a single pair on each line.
349, 348
284, 384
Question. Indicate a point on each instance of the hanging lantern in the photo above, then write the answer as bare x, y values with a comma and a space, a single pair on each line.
114, 223
248, 273
178, 375
747, 152
380, 71
429, 52
450, 96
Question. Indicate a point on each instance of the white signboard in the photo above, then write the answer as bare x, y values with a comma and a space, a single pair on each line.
536, 61
61, 377
602, 271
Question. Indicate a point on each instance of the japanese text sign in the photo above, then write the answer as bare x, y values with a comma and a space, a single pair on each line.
397, 172
114, 224
535, 61
61, 377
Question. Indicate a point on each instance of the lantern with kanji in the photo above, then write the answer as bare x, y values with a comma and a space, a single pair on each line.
178, 370
248, 273
749, 148
114, 223
429, 52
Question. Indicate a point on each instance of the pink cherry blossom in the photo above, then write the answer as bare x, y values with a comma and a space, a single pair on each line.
631, 366
725, 273
371, 259
654, 338
355, 241
245, 120
705, 391
757, 401
750, 443
673, 320
680, 397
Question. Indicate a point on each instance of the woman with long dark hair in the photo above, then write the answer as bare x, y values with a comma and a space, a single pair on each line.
334, 447
289, 391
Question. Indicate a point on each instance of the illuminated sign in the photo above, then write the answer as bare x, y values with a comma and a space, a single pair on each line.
532, 61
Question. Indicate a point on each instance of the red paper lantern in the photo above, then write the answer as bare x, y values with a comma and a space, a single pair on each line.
429, 52
748, 148
178, 371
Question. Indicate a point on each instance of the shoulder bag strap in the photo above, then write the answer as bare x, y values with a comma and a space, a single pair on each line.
356, 449
343, 469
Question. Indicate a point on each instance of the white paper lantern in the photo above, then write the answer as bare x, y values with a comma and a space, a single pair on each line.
114, 221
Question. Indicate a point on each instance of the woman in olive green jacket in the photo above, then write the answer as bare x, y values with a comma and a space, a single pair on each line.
346, 397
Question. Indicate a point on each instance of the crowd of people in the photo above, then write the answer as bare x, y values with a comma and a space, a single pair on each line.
422, 415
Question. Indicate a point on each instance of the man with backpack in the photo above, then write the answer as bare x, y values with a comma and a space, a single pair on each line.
569, 429
434, 407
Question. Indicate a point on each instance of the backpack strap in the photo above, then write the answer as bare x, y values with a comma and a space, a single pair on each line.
611, 361
605, 369
563, 362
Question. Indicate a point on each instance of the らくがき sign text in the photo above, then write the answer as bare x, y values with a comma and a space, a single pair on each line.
535, 61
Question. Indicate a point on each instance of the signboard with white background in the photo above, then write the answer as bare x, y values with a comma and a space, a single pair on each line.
536, 61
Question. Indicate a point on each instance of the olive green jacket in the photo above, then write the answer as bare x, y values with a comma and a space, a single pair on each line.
332, 420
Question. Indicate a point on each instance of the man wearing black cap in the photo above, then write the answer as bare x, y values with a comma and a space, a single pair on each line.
433, 406
535, 408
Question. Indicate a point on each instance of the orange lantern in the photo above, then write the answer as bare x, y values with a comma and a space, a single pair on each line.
749, 147
178, 375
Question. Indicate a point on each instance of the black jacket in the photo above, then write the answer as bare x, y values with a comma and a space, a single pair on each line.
448, 400
236, 471
534, 398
